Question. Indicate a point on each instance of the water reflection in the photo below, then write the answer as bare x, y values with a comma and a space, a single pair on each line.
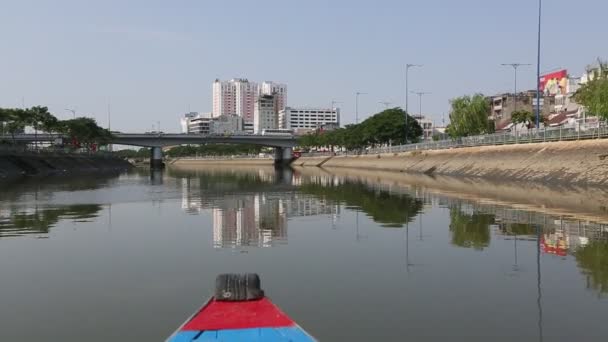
243, 214
470, 229
15, 222
593, 261
388, 209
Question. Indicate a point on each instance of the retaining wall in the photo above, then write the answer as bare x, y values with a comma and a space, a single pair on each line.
572, 162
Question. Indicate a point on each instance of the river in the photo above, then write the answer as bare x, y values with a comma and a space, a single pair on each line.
130, 257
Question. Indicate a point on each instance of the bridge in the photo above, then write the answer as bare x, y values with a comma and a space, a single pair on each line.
283, 145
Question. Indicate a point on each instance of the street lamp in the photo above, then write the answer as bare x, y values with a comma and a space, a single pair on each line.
73, 111
540, 7
407, 93
357, 106
515, 66
407, 89
385, 103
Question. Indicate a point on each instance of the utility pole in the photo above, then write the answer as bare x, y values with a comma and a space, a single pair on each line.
407, 92
540, 7
515, 66
109, 125
420, 95
357, 106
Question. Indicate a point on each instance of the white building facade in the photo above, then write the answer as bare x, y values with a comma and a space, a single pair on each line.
194, 123
308, 118
426, 125
265, 116
183, 122
278, 90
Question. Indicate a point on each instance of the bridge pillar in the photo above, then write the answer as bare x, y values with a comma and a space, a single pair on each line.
287, 155
283, 155
156, 158
278, 155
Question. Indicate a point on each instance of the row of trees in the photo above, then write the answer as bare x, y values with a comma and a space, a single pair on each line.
82, 131
386, 127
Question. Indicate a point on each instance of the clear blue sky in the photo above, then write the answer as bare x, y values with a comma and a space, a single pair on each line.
153, 60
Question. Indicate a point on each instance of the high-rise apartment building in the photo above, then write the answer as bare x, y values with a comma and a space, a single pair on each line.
236, 96
224, 98
278, 90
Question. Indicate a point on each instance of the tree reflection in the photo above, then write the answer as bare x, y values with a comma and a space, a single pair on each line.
593, 261
41, 220
517, 229
388, 209
470, 230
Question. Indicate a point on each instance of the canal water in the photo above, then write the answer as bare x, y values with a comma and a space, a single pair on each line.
130, 257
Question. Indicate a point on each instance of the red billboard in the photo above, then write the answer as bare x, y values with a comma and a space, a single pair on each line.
554, 83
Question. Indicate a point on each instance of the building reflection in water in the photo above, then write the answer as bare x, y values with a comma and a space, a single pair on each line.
256, 217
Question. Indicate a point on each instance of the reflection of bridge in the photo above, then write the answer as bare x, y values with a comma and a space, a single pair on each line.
156, 141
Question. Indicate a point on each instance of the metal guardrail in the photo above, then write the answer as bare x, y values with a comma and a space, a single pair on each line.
508, 138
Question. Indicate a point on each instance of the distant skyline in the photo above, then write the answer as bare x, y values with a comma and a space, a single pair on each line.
153, 61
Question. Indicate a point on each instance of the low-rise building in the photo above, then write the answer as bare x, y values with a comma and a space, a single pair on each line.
502, 106
186, 120
194, 123
227, 124
426, 125
309, 118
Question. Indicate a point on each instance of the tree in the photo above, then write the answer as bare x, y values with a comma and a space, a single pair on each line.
386, 127
469, 116
17, 121
85, 131
593, 95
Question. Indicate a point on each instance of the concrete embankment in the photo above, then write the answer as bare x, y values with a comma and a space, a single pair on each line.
17, 165
573, 162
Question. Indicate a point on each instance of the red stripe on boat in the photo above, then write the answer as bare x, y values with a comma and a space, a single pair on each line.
238, 315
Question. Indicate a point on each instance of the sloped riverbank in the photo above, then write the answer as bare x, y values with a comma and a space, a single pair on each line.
571, 162
15, 166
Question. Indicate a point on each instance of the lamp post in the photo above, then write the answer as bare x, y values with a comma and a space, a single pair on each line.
385, 103
515, 66
407, 92
73, 111
357, 106
540, 7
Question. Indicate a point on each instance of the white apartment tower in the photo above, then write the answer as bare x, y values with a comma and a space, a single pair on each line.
279, 91
236, 96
